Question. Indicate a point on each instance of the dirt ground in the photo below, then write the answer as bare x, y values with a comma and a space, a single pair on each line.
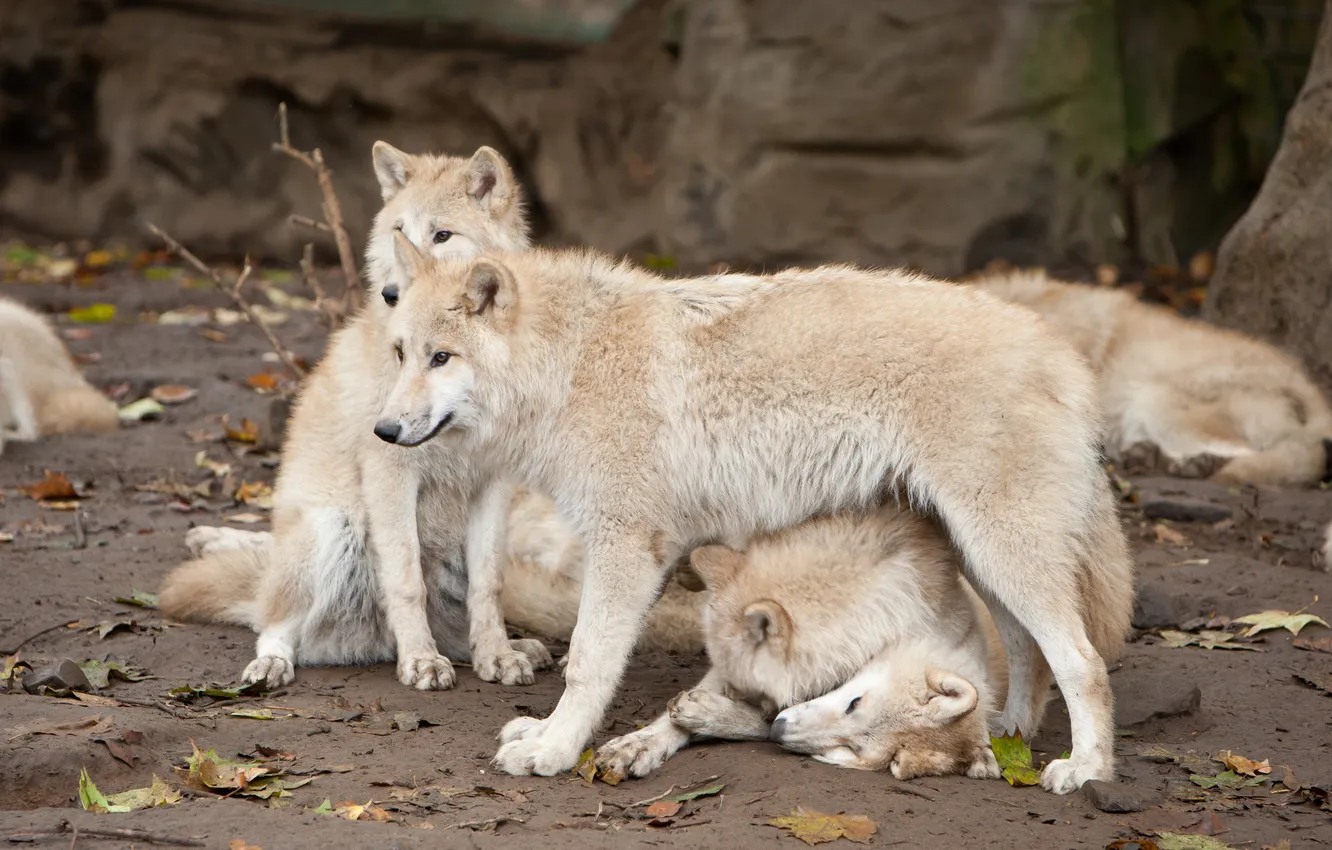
1252, 554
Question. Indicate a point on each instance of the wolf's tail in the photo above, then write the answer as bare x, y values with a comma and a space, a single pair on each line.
1302, 459
219, 587
1107, 586
77, 410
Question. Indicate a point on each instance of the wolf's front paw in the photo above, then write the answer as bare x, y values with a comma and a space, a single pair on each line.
426, 672
983, 764
636, 754
537, 756
273, 670
695, 710
1198, 466
1064, 776
534, 650
507, 666
520, 729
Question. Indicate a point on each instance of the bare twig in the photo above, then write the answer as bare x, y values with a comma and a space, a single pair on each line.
482, 824
32, 637
330, 312
66, 828
306, 221
332, 209
80, 534
234, 291
650, 800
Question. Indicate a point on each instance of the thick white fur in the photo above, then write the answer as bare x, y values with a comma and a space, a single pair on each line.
663, 415
865, 616
1213, 402
42, 391
366, 559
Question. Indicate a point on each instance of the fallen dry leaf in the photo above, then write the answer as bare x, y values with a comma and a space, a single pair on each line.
264, 382
664, 809
138, 411
814, 827
1243, 766
1319, 681
158, 794
219, 469
1169, 536
1266, 620
173, 393
248, 432
246, 519
56, 486
240, 844
1314, 644
93, 313
257, 494
1180, 841
212, 335
1207, 639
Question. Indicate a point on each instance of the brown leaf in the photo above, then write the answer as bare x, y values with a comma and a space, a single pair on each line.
56, 486
814, 827
247, 433
240, 844
212, 335
1243, 766
1314, 644
1169, 536
173, 393
664, 809
264, 382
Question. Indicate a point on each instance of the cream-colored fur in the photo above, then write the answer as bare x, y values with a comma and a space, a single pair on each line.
1213, 402
366, 559
42, 391
868, 618
661, 415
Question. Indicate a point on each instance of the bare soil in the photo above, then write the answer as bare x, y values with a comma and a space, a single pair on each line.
1248, 702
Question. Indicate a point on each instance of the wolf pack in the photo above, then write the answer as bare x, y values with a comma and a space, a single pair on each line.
878, 501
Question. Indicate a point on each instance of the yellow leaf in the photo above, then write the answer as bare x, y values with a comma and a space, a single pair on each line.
1242, 765
93, 313
1265, 620
814, 827
97, 259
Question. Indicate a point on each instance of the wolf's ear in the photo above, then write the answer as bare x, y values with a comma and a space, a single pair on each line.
408, 256
715, 564
950, 697
689, 578
490, 181
491, 287
393, 168
767, 621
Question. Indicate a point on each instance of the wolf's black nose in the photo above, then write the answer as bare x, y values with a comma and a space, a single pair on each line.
390, 294
778, 729
388, 431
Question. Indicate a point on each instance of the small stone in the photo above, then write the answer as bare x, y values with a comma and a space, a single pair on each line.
1155, 608
1174, 700
1109, 797
63, 675
1184, 510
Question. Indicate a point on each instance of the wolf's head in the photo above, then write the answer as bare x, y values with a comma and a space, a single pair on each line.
452, 327
906, 712
446, 206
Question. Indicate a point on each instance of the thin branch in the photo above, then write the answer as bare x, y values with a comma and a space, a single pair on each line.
306, 221
234, 291
332, 208
66, 828
330, 312
32, 637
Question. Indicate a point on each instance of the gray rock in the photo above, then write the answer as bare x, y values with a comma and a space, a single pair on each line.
1171, 700
63, 675
1113, 797
1155, 608
1184, 510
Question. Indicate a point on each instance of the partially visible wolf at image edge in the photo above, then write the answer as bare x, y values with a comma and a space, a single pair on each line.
42, 392
660, 415
1212, 402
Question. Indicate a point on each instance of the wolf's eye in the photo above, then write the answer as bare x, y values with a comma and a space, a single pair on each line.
440, 358
442, 236
851, 706
397, 350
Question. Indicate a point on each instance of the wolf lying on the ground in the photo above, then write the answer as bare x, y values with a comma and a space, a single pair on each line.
1211, 402
42, 391
365, 562
661, 415
868, 617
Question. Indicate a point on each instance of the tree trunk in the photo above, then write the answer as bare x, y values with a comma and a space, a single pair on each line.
1274, 270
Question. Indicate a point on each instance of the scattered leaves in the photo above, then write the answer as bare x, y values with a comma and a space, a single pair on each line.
353, 811
173, 393
1267, 620
138, 411
157, 794
814, 827
1243, 766
190, 693
100, 673
56, 485
1014, 757
1180, 841
139, 598
93, 313
260, 714
209, 771
1207, 639
1227, 780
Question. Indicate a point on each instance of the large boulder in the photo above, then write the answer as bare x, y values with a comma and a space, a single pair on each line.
1274, 270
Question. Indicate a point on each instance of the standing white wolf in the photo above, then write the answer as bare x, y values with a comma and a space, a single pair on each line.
365, 562
1211, 401
42, 391
852, 638
662, 415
